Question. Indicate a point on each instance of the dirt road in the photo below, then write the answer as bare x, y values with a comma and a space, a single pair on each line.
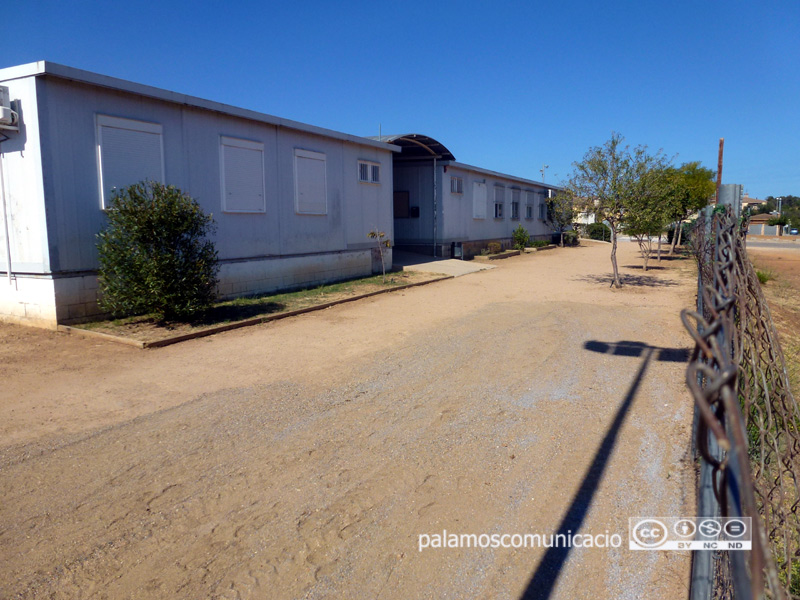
304, 458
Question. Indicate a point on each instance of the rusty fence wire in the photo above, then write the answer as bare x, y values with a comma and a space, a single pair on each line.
748, 426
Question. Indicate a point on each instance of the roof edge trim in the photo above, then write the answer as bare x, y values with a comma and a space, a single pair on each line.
40, 68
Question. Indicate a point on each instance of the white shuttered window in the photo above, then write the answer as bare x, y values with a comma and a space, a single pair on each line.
128, 152
478, 200
310, 187
242, 171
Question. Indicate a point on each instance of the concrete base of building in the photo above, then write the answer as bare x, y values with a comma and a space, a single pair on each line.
49, 300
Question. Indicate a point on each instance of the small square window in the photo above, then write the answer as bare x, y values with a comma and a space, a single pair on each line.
369, 172
456, 185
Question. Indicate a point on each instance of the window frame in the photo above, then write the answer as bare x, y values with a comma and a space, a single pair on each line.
242, 144
516, 196
128, 124
311, 155
498, 214
371, 164
530, 204
479, 185
458, 184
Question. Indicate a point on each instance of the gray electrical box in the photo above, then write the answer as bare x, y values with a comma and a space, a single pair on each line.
731, 194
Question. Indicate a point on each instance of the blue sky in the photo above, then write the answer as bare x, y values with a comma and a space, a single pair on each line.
507, 86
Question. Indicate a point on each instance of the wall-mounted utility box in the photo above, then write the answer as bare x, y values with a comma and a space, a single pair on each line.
8, 118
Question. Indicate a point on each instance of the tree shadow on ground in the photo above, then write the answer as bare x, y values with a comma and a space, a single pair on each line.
673, 257
239, 312
628, 279
639, 267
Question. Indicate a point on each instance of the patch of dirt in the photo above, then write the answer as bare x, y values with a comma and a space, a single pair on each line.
783, 295
304, 458
145, 329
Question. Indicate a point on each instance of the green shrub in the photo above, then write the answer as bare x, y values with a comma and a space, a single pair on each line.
495, 247
571, 238
539, 243
154, 254
520, 238
765, 275
598, 231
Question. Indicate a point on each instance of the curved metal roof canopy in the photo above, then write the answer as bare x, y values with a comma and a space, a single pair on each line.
417, 146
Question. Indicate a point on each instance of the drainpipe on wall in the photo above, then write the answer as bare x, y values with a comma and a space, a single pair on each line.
434, 207
5, 220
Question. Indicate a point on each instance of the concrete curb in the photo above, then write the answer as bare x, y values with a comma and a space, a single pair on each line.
532, 249
100, 336
489, 257
594, 241
230, 326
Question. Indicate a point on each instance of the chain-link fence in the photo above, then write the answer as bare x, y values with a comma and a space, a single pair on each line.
748, 425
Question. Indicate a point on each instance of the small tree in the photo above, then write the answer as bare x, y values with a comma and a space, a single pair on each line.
688, 189
780, 221
154, 254
383, 243
607, 180
520, 238
647, 211
561, 212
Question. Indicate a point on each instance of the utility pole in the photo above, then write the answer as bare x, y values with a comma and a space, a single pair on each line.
719, 169
542, 171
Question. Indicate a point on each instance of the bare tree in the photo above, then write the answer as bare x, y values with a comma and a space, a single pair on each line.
383, 243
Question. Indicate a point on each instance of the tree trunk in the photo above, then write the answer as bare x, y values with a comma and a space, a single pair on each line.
616, 283
562, 239
675, 237
680, 233
659, 246
645, 245
646, 253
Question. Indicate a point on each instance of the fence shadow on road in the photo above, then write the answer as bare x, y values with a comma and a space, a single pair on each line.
543, 580
628, 279
627, 348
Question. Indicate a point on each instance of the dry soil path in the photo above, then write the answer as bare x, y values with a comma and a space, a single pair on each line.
304, 458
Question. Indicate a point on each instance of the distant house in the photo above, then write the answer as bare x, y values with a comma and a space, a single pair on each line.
758, 225
748, 202
446, 208
293, 203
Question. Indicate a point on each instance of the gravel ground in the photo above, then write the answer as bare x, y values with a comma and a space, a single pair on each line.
304, 458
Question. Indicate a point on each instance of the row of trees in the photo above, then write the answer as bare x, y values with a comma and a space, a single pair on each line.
633, 191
